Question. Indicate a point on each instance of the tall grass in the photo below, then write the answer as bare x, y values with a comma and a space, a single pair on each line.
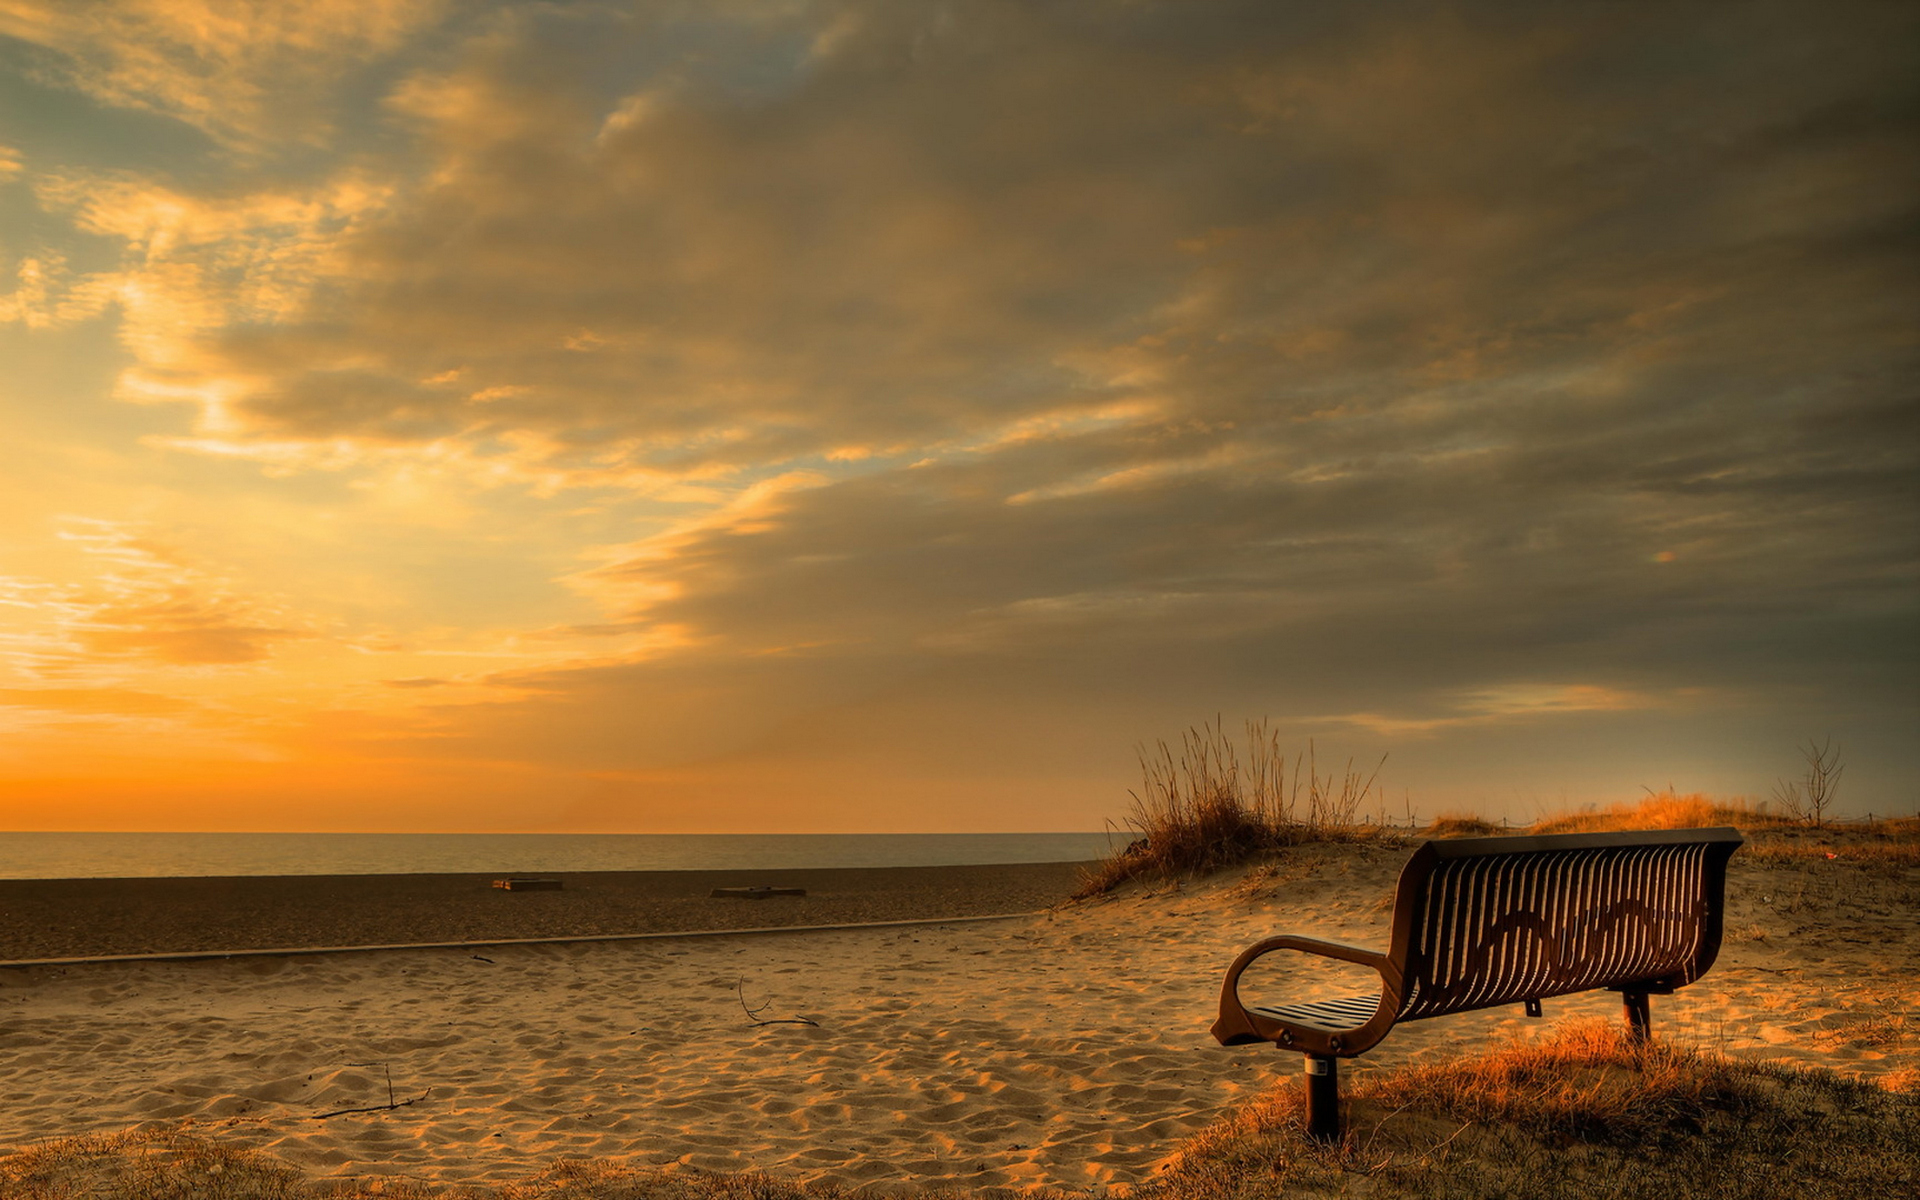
1214, 802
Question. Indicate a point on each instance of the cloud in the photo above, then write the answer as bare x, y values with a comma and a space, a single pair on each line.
1512, 702
180, 629
112, 702
901, 239
1382, 364
145, 604
246, 73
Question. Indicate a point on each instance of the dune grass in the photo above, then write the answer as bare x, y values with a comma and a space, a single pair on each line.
1580, 1112
1216, 803
1452, 825
147, 1164
1890, 842
1665, 810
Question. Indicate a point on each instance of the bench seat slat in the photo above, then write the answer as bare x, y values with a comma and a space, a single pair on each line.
1334, 1015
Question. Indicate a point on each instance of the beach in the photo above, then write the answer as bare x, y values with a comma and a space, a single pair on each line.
1066, 1047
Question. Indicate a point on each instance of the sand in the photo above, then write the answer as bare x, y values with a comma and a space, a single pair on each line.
1068, 1048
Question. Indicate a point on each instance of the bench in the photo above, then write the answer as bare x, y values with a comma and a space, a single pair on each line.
1480, 922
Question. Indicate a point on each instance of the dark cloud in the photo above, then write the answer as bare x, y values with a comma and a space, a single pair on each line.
1475, 353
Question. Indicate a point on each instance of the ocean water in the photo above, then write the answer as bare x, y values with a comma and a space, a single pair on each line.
123, 855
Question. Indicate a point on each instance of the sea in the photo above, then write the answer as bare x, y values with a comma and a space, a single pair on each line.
134, 855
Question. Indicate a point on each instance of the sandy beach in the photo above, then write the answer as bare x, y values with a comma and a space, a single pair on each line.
1066, 1048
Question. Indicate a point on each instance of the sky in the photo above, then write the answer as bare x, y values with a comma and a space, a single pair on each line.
785, 416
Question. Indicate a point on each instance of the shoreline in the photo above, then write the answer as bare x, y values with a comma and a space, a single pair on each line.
106, 918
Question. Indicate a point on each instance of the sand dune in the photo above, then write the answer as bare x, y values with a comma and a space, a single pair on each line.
1067, 1049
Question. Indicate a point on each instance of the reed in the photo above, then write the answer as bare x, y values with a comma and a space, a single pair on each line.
1215, 802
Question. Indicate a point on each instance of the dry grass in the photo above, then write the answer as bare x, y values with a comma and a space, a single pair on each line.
1583, 1113
1889, 842
146, 1164
1664, 810
1215, 804
177, 1164
1457, 825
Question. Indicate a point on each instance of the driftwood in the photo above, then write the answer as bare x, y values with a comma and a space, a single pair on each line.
753, 1014
390, 1105
753, 893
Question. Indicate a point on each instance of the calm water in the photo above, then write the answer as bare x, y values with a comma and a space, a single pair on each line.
115, 855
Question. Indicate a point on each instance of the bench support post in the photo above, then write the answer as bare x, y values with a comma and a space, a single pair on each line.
1323, 1098
1639, 1018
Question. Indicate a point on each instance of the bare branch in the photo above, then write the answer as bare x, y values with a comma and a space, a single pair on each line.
753, 1014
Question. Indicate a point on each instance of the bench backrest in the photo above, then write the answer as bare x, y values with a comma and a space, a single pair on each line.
1486, 921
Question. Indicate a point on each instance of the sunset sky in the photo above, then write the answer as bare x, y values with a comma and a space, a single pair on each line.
791, 416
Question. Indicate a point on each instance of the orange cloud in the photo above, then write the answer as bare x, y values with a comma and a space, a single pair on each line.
97, 701
145, 603
179, 628
1510, 702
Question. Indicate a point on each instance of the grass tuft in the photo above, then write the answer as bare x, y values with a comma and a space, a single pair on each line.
145, 1164
1458, 825
1215, 803
1663, 810
1583, 1112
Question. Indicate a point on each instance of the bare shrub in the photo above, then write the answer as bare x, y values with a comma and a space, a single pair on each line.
1809, 797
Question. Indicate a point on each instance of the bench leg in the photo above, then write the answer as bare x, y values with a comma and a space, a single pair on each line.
1639, 1018
1323, 1098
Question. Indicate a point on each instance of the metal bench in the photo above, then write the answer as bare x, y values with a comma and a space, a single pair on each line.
1480, 922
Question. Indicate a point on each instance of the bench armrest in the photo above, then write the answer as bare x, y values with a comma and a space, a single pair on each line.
1235, 1027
